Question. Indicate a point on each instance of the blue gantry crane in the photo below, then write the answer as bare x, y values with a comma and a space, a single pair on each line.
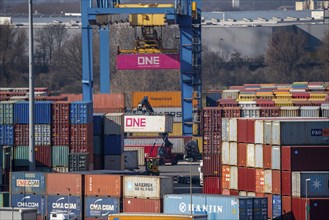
184, 13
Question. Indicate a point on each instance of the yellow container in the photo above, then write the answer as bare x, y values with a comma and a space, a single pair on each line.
200, 142
318, 96
283, 96
158, 99
147, 19
158, 216
299, 83
247, 97
195, 128
177, 130
283, 103
265, 95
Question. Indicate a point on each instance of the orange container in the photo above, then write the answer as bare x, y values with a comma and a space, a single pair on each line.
276, 181
98, 185
260, 181
64, 184
158, 99
101, 101
225, 177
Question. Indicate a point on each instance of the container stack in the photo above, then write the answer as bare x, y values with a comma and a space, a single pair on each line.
113, 141
98, 122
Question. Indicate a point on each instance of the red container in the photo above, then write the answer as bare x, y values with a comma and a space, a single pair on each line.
300, 95
246, 130
228, 103
298, 208
109, 110
226, 177
226, 192
242, 154
98, 185
260, 181
251, 179
269, 205
151, 151
260, 194
234, 192
231, 112
142, 205
43, 156
212, 185
60, 134
21, 134
242, 178
212, 119
286, 183
303, 158
276, 181
269, 111
286, 207
212, 142
265, 103
302, 103
61, 112
64, 184
267, 156
211, 165
81, 139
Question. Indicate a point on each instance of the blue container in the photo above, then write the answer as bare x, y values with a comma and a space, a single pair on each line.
98, 120
215, 206
276, 207
28, 182
30, 201
317, 187
101, 206
6, 135
98, 145
113, 144
81, 112
65, 203
260, 208
42, 112
212, 98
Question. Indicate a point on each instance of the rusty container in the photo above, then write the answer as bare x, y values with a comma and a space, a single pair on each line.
64, 184
142, 205
103, 185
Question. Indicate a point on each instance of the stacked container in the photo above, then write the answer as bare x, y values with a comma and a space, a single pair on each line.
145, 193
98, 122
81, 140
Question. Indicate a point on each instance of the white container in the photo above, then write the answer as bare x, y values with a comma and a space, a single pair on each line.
325, 111
267, 132
244, 104
233, 153
230, 94
140, 154
130, 159
147, 187
275, 133
234, 177
113, 162
251, 194
289, 111
225, 129
259, 132
250, 155
259, 156
226, 153
148, 123
267, 181
175, 112
233, 129
276, 161
242, 193
113, 123
250, 112
310, 111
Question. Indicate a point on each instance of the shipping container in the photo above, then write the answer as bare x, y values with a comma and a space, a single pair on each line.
61, 112
6, 134
42, 156
60, 156
233, 154
81, 138
260, 208
242, 178
4, 199
316, 184
27, 200
276, 182
267, 156
142, 205
211, 164
212, 185
269, 111
286, 183
160, 216
114, 123
276, 158
97, 185
289, 111
302, 158
259, 161
147, 187
60, 134
130, 159
140, 152
64, 184
286, 207
81, 112
65, 203
231, 112
250, 155
101, 206
113, 144
246, 130
28, 183
230, 94
98, 122
113, 162
98, 145
175, 112
42, 134
226, 153
158, 99
269, 205
250, 112
276, 206
42, 112
212, 142
260, 181
310, 111
79, 162
148, 123
7, 112
267, 181
234, 177
242, 154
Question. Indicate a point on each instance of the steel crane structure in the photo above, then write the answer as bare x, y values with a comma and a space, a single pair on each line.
184, 13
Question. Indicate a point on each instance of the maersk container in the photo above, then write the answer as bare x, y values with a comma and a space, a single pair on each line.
113, 123
30, 201
7, 112
113, 144
317, 184
6, 135
28, 182
81, 112
147, 187
154, 216
215, 206
66, 202
60, 156
148, 123
42, 112
101, 206
98, 121
276, 206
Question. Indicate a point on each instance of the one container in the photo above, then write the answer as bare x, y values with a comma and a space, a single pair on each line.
234, 177
317, 184
310, 111
61, 112
225, 129
130, 159
101, 206
28, 182
226, 153
64, 184
158, 98
142, 205
148, 123
289, 111
97, 185
78, 162
64, 203
276, 158
81, 138
138, 216
242, 178
81, 112
251, 179
246, 130
113, 162
276, 206
147, 187
233, 132
7, 112
260, 181
114, 123
60, 156
276, 181
37, 201
267, 156
260, 208
140, 153
286, 207
212, 185
175, 112
43, 156
286, 183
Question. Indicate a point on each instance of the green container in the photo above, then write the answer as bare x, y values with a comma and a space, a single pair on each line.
60, 156
7, 112
4, 199
21, 156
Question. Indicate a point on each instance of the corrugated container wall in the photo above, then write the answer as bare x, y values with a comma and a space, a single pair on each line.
27, 200
59, 183
61, 112
98, 185
6, 135
7, 112
42, 112
98, 122
101, 206
317, 187
81, 112
142, 205
60, 156
72, 202
158, 99
28, 182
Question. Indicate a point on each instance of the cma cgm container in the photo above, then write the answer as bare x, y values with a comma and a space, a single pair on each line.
160, 216
81, 112
216, 206
317, 186
148, 123
147, 186
28, 183
30, 201
65, 202
42, 112
101, 206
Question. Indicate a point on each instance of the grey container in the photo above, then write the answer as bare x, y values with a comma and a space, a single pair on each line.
18, 213
310, 111
317, 184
